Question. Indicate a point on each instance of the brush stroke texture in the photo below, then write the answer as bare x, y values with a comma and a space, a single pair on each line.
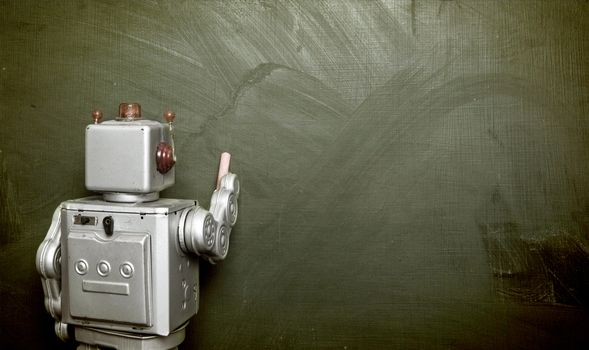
414, 173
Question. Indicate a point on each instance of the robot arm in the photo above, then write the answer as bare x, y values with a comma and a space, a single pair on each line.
48, 263
206, 233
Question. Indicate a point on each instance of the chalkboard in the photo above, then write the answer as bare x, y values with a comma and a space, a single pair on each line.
414, 173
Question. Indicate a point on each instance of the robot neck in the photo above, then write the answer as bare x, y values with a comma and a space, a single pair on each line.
122, 197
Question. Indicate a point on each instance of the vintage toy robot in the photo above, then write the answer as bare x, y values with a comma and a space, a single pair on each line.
120, 270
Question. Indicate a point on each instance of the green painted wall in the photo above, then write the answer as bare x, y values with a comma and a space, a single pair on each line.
415, 173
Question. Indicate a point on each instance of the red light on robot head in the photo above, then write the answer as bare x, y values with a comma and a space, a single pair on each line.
164, 157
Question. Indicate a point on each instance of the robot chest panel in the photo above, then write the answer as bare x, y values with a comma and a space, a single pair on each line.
109, 279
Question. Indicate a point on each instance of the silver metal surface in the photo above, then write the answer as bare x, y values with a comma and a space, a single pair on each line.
48, 263
106, 294
96, 339
130, 197
120, 157
207, 233
162, 206
143, 289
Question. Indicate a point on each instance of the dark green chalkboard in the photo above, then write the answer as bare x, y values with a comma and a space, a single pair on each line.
415, 173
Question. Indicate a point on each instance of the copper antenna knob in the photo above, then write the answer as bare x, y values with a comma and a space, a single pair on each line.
129, 111
169, 116
97, 116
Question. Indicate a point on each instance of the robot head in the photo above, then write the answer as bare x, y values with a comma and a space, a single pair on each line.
129, 159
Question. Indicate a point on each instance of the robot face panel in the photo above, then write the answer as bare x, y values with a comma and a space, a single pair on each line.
121, 157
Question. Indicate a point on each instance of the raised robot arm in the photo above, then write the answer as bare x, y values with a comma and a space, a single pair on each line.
206, 232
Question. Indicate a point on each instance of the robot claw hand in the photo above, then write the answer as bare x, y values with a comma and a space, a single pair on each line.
206, 233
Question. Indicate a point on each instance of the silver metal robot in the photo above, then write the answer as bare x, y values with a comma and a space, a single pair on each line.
120, 270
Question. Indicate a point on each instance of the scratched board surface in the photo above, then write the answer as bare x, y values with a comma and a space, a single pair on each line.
415, 173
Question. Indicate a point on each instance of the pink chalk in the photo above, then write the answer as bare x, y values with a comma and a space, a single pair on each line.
223, 167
